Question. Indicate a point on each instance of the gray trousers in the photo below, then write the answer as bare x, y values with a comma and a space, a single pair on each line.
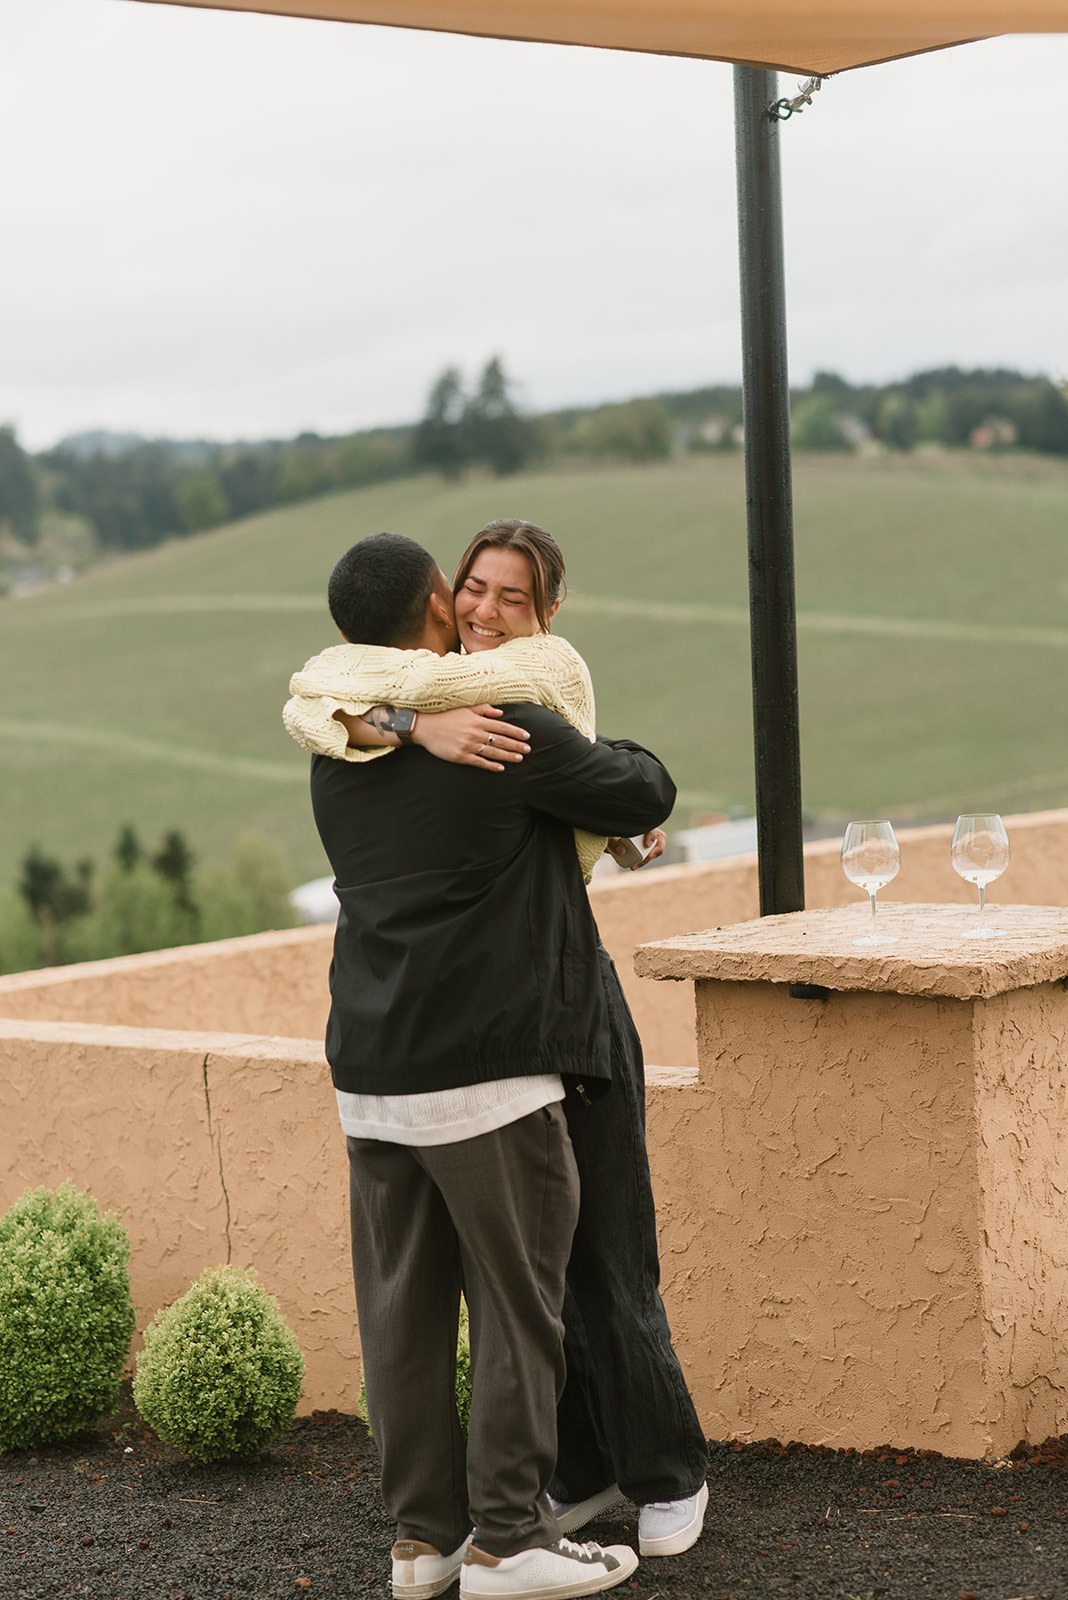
494, 1216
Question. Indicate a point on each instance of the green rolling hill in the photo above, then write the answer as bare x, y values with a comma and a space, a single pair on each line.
933, 600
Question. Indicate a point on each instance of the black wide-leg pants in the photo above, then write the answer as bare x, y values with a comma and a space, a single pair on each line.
626, 1415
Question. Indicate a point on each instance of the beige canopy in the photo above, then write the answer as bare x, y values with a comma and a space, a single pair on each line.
807, 36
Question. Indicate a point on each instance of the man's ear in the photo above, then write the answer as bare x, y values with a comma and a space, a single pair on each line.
438, 609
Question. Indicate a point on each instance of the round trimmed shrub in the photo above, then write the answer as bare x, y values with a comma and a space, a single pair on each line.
221, 1371
66, 1316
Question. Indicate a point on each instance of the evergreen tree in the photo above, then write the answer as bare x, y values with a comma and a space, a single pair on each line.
49, 891
19, 499
440, 438
128, 851
130, 498
174, 863
250, 479
896, 421
496, 433
54, 897
201, 501
1041, 417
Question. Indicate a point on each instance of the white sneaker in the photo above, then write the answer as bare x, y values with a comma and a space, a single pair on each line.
668, 1527
552, 1573
420, 1571
572, 1514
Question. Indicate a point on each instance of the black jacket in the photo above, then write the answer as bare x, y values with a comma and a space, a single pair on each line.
466, 949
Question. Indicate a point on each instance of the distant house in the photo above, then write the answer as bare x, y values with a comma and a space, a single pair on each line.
996, 433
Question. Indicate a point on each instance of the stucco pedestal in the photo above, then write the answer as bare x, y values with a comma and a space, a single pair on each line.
864, 1197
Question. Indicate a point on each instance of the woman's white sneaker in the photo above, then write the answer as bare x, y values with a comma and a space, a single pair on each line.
554, 1572
420, 1571
668, 1527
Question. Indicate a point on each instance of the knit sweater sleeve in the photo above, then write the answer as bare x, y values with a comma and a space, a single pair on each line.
353, 677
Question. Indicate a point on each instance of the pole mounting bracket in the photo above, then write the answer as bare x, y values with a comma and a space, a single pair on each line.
783, 110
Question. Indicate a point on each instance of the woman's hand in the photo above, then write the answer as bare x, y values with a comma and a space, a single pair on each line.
472, 736
652, 843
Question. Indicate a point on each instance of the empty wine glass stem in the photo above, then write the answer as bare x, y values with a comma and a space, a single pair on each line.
982, 898
871, 897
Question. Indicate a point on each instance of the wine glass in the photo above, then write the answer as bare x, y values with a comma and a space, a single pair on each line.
870, 858
980, 853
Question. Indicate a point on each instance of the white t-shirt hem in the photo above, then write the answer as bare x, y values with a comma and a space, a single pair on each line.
446, 1116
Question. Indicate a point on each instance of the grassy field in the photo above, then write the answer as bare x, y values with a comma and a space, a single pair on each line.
933, 625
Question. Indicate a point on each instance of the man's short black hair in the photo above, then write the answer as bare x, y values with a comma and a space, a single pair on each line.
379, 589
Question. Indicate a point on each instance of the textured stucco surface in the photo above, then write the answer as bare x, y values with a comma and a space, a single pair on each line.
1021, 1048
820, 1219
213, 1147
864, 1199
934, 951
266, 984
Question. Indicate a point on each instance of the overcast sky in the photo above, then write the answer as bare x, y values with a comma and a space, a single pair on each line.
235, 226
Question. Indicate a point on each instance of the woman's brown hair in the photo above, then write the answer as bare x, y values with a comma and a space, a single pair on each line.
540, 549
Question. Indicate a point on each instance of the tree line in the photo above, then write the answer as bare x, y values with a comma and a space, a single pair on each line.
142, 899
985, 409
134, 493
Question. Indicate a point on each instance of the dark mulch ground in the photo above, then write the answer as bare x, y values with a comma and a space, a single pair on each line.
119, 1516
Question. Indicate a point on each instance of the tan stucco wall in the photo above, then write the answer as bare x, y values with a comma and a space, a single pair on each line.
1021, 1045
266, 984
819, 1222
99, 1084
864, 1197
864, 1241
214, 1147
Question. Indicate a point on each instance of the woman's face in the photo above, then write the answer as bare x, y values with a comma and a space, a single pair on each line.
495, 602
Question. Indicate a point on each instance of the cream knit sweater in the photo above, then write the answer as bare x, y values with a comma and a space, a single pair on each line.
354, 677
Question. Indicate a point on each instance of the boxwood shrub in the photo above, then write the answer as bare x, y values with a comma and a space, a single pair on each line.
221, 1371
66, 1316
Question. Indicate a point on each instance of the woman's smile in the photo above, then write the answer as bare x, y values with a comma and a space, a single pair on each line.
495, 602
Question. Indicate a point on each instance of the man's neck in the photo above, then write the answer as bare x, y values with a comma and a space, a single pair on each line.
429, 639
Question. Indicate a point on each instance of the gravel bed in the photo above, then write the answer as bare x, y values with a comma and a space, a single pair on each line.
120, 1516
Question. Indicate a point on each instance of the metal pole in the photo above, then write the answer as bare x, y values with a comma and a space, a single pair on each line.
769, 500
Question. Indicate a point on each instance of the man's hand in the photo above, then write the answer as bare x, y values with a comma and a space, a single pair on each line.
471, 736
653, 842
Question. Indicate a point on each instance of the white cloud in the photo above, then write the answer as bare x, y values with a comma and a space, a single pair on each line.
239, 226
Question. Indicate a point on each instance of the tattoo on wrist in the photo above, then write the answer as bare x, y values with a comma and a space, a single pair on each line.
388, 719
380, 718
